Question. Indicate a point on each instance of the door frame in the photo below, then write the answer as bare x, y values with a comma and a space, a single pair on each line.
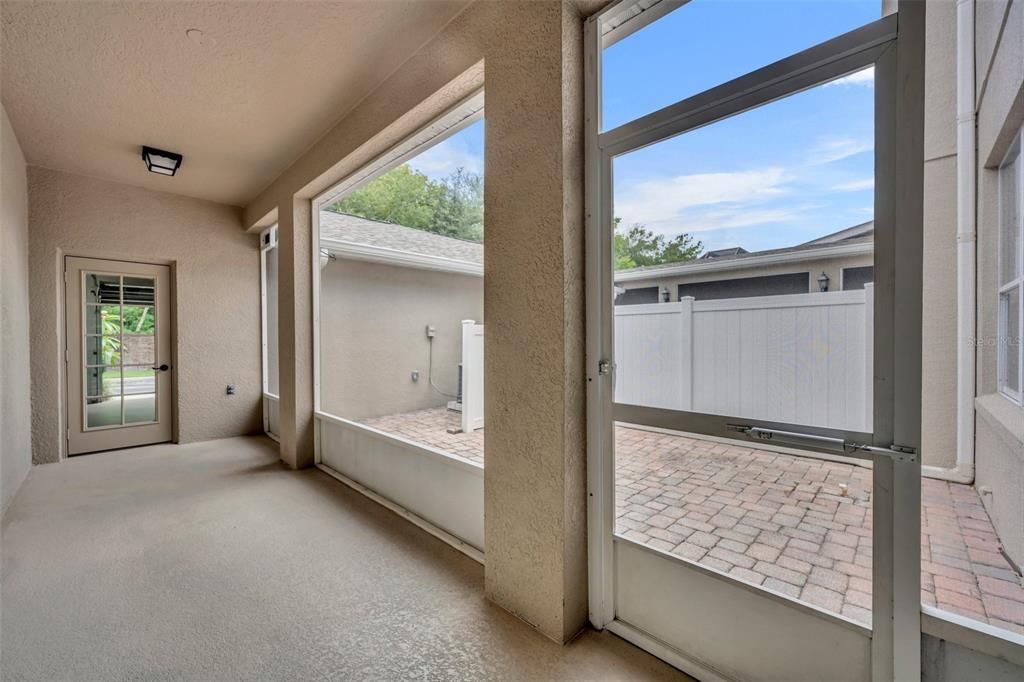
64, 399
895, 44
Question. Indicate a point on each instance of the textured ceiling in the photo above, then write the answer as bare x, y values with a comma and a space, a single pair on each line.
86, 83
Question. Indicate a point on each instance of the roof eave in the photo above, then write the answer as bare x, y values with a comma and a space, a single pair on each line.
404, 259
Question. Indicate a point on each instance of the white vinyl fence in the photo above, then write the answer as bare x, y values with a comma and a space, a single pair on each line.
472, 376
799, 359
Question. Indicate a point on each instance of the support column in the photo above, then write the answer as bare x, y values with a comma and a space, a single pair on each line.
295, 331
535, 474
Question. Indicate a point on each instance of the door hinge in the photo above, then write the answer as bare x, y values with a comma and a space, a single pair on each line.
604, 367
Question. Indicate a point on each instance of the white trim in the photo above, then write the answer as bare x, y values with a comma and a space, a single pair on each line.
973, 634
712, 265
816, 65
842, 275
270, 398
314, 218
626, 17
966, 244
461, 116
404, 259
669, 654
268, 243
427, 450
599, 299
1015, 155
785, 600
443, 535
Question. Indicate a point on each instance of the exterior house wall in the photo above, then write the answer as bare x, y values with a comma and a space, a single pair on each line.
15, 406
939, 314
373, 321
999, 442
215, 267
830, 266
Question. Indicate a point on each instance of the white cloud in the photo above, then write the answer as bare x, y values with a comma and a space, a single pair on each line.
855, 185
654, 201
704, 202
831, 149
864, 78
446, 158
728, 218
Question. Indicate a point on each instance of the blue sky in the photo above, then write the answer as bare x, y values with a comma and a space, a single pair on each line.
776, 176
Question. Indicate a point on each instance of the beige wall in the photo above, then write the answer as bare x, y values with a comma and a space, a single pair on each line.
999, 445
830, 266
215, 265
15, 407
535, 481
938, 318
373, 321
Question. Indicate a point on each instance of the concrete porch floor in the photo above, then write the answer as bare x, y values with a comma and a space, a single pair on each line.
796, 525
213, 561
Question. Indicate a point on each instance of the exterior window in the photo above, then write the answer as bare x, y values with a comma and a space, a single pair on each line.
1011, 275
636, 296
856, 278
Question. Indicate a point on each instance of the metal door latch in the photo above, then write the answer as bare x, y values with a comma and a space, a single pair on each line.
604, 367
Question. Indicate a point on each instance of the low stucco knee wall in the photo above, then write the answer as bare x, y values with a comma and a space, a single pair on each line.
999, 467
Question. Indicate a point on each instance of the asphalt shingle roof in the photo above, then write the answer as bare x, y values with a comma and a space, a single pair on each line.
349, 228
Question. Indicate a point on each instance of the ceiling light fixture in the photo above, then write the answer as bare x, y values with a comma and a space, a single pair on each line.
159, 161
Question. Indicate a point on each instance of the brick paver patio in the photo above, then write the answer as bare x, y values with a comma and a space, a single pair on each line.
796, 525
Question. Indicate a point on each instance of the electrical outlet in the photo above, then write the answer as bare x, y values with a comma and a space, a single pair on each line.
431, 332
415, 375
231, 389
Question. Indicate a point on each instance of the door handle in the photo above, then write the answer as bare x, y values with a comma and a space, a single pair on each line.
161, 368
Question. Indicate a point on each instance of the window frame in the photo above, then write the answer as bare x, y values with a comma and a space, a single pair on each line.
457, 118
1016, 396
268, 243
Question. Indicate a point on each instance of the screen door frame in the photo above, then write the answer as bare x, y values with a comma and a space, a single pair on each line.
894, 44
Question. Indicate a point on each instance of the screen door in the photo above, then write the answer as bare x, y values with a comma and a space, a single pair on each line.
753, 277
117, 320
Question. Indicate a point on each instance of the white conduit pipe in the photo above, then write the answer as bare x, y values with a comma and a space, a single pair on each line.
966, 241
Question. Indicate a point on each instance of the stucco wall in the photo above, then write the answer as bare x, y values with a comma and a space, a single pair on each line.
938, 315
535, 481
373, 321
999, 442
15, 407
535, 389
215, 266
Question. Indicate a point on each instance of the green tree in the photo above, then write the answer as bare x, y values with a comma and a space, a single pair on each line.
138, 320
452, 206
638, 246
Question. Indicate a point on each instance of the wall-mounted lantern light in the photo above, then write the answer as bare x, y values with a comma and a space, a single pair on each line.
159, 161
823, 282
665, 295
